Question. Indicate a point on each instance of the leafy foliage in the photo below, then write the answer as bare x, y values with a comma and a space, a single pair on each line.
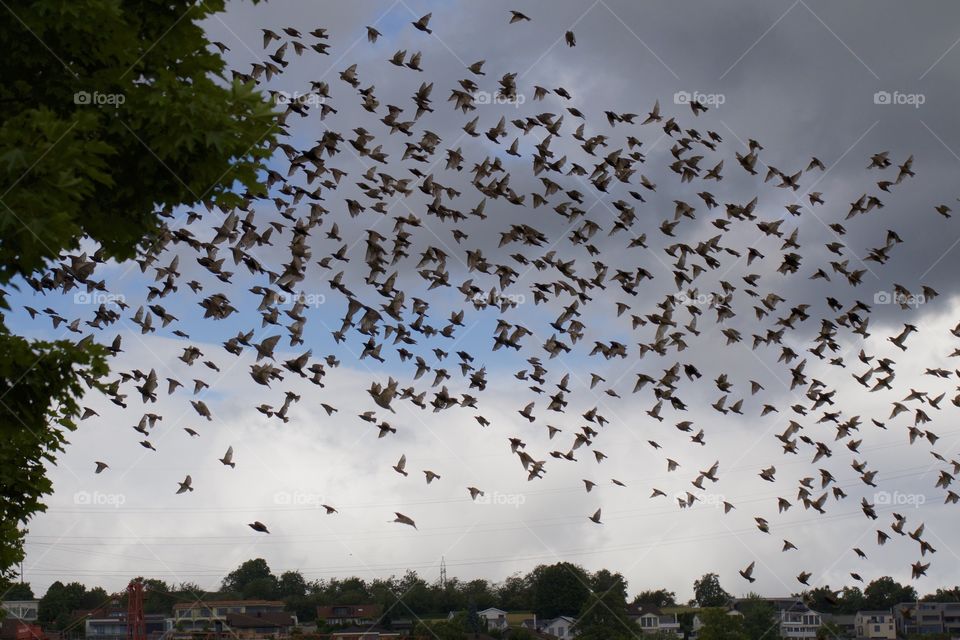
708, 593
886, 593
125, 112
62, 600
759, 618
559, 590
604, 614
39, 385
659, 598
718, 625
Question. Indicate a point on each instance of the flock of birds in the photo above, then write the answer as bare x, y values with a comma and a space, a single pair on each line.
568, 277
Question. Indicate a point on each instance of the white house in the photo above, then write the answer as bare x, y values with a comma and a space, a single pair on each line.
561, 627
496, 619
652, 620
797, 620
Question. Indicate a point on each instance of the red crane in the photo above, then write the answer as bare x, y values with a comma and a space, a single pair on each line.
136, 628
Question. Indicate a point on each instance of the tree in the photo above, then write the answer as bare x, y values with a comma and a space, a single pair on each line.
604, 614
886, 593
474, 623
830, 630
943, 595
292, 584
558, 589
708, 593
850, 600
18, 591
759, 618
131, 115
253, 578
719, 625
659, 598
61, 600
441, 629
513, 593
822, 600
158, 597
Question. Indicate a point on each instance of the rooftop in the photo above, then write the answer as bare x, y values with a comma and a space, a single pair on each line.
228, 603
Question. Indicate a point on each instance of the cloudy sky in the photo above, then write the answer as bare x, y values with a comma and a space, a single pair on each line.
803, 78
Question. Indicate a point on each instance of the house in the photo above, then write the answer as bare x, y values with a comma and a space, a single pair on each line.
560, 627
652, 619
350, 614
913, 618
261, 623
494, 618
25, 610
796, 620
526, 633
362, 633
13, 629
875, 625
845, 622
212, 615
112, 625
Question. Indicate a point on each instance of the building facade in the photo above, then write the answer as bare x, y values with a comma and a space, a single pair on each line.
796, 620
653, 619
561, 627
25, 610
914, 618
215, 616
875, 625
349, 614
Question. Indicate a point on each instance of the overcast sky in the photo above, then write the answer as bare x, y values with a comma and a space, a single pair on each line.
804, 78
